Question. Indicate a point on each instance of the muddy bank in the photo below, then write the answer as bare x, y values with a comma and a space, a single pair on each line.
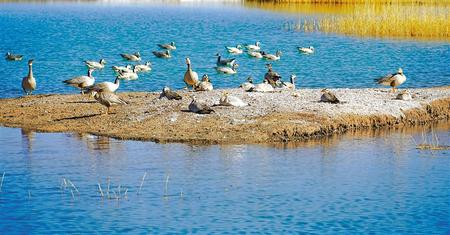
271, 117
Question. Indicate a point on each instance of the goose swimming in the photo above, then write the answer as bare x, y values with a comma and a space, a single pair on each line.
168, 46
255, 54
104, 86
29, 82
128, 75
228, 100
11, 57
290, 85
248, 85
204, 85
128, 68
169, 94
95, 65
263, 87
277, 56
198, 107
235, 50
404, 95
394, 80
81, 82
190, 77
108, 99
306, 50
143, 67
254, 47
227, 70
160, 54
225, 62
329, 97
132, 57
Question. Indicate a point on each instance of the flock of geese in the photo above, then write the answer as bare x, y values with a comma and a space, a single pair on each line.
104, 92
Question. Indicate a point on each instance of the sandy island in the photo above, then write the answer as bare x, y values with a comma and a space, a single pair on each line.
271, 117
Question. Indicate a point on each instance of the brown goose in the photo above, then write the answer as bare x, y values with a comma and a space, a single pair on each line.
190, 77
169, 94
28, 82
329, 97
394, 80
108, 99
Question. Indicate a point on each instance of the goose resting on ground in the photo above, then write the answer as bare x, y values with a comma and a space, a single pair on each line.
204, 85
263, 87
228, 100
404, 95
271, 76
290, 85
329, 97
95, 65
394, 80
169, 94
198, 107
12, 57
132, 57
81, 82
190, 77
29, 82
168, 46
248, 85
108, 99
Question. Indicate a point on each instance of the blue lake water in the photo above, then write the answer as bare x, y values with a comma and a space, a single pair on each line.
376, 183
60, 36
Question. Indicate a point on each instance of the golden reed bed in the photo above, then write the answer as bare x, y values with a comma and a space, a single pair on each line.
416, 19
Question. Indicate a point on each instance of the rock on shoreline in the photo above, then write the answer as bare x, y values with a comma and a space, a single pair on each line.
271, 117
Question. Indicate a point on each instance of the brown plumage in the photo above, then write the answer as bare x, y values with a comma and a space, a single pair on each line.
169, 94
108, 99
329, 97
200, 108
29, 82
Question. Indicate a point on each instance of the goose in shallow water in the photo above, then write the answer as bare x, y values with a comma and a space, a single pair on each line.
228, 100
162, 54
169, 94
104, 86
306, 50
290, 85
12, 57
204, 85
248, 85
81, 82
253, 47
190, 77
198, 107
329, 97
108, 99
227, 70
168, 46
143, 67
277, 56
235, 50
263, 87
394, 80
95, 65
131, 57
29, 82
225, 62
255, 54
404, 95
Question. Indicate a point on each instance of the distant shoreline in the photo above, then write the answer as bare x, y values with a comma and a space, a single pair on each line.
271, 117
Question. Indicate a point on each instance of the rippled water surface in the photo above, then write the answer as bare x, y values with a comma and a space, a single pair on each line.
60, 36
374, 183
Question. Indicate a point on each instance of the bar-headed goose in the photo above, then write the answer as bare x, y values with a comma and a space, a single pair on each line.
329, 97
306, 50
253, 47
225, 62
104, 86
290, 85
255, 54
277, 56
95, 65
199, 107
143, 67
235, 50
11, 57
168, 46
131, 57
227, 70
394, 80
204, 85
81, 82
248, 85
162, 54
263, 87
228, 100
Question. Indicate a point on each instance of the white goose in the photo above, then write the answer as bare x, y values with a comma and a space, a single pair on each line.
104, 86
123, 69
306, 50
235, 50
128, 75
204, 85
263, 87
254, 47
81, 82
143, 67
190, 77
95, 65
227, 70
228, 100
248, 85
394, 80
290, 85
255, 54
29, 82
277, 56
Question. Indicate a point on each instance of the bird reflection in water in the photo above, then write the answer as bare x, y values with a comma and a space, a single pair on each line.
27, 139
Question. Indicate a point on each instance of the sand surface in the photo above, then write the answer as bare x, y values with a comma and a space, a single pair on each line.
270, 117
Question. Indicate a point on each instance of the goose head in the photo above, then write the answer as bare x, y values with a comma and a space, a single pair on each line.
257, 43
102, 61
234, 67
238, 46
137, 54
312, 48
188, 61
400, 71
250, 79
148, 63
205, 78
8, 53
293, 77
90, 72
278, 53
172, 44
167, 52
325, 90
30, 62
166, 89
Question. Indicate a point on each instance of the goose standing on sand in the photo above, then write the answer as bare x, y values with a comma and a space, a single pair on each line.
161, 54
227, 70
104, 86
190, 77
254, 47
123, 69
255, 54
204, 85
394, 80
329, 97
271, 76
225, 62
168, 46
306, 50
132, 57
95, 65
290, 85
198, 107
277, 56
11, 57
228, 100
108, 99
248, 85
169, 94
235, 50
81, 82
263, 87
143, 67
29, 82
